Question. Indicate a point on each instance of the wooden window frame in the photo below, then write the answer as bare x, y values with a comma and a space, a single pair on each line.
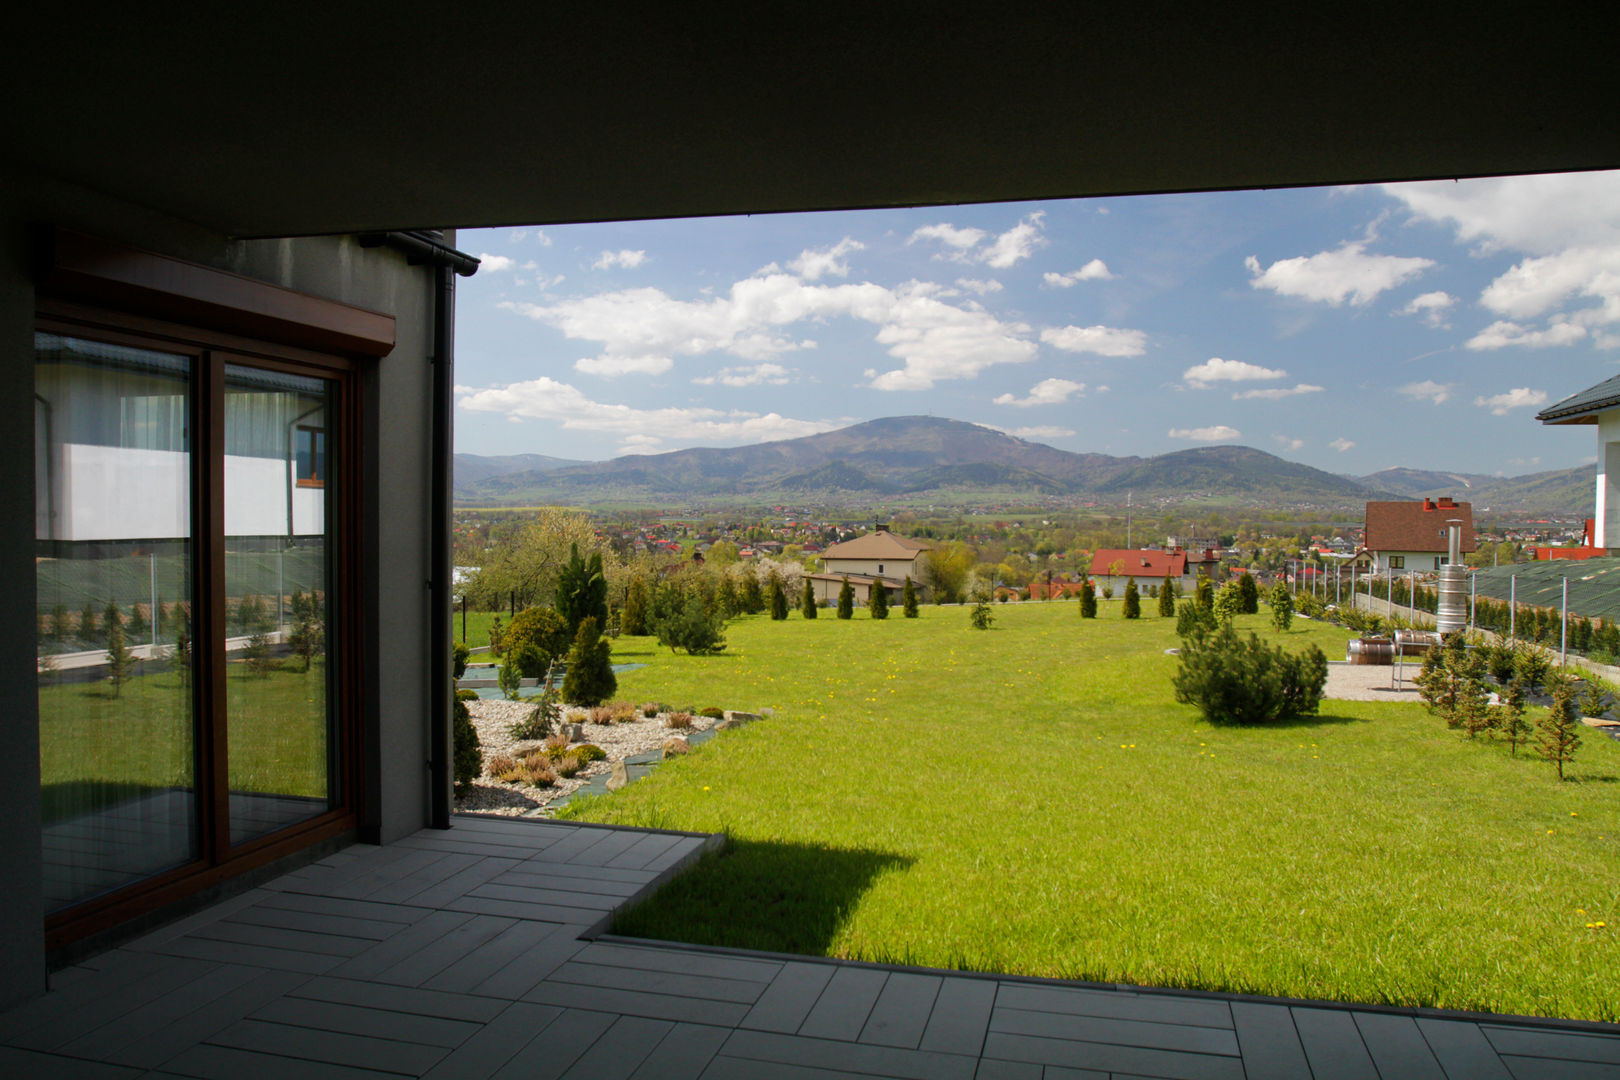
228, 319
315, 480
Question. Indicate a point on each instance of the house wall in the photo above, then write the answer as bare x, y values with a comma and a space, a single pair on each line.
1422, 562
1606, 523
395, 478
893, 568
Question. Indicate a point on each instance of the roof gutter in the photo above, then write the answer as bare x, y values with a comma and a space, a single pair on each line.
427, 247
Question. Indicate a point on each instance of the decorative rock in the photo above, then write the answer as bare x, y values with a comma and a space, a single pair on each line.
620, 777
727, 725
741, 717
676, 745
575, 732
767, 713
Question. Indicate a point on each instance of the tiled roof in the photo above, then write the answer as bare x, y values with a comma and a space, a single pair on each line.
882, 544
1582, 408
1417, 525
1155, 564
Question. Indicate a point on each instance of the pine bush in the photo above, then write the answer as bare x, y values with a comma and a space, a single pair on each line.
590, 679
846, 601
1132, 604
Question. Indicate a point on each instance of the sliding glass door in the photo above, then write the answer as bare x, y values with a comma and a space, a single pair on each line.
188, 516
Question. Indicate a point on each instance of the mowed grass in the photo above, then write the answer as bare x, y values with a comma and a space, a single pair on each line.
1031, 799
97, 749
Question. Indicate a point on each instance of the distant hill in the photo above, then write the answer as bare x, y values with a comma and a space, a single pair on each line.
1562, 492
951, 462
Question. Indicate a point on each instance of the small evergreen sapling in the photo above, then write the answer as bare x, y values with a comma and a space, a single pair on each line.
1204, 594
981, 615
779, 604
846, 601
590, 679
1250, 592
1088, 601
908, 599
633, 621
1228, 603
1282, 607
1511, 722
1131, 607
120, 660
1167, 599
467, 763
878, 604
807, 603
1558, 733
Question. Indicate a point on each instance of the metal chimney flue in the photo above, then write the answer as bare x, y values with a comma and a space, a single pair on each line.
1451, 613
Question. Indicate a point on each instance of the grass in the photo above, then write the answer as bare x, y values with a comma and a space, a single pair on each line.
1031, 799
97, 749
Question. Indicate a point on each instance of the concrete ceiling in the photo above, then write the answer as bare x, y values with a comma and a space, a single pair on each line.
347, 117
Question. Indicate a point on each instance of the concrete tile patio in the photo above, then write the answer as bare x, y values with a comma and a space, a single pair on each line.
474, 953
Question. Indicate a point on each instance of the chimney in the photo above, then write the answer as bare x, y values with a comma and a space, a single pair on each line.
1428, 504
1446, 503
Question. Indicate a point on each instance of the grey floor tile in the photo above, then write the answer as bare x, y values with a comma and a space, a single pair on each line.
773, 1047
961, 1016
621, 1050
1549, 1043
1109, 1057
842, 1009
1397, 1047
1333, 1045
1462, 1050
901, 1011
1197, 1040
497, 1043
1269, 1041
683, 1054
789, 998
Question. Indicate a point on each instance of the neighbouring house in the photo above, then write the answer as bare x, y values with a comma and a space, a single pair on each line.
1112, 567
879, 556
1413, 536
1596, 406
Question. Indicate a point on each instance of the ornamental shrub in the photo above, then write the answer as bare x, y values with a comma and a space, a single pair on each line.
1088, 601
908, 599
878, 605
1282, 607
692, 627
1235, 680
713, 713
1167, 598
460, 654
1190, 617
846, 600
779, 604
1558, 734
807, 603
582, 591
1228, 602
1250, 592
539, 723
981, 616
1132, 605
468, 761
1204, 594
633, 620
543, 628
590, 677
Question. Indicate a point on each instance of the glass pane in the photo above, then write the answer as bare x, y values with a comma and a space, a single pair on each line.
277, 550
112, 514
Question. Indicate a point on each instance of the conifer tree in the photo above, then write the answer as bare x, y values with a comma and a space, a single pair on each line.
89, 622
634, 619
846, 601
1088, 601
779, 604
1204, 594
908, 599
1131, 607
751, 599
1282, 606
1167, 599
1558, 733
807, 603
1250, 594
590, 679
120, 661
878, 602
1511, 719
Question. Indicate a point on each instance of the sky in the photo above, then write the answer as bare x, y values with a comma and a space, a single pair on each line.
1353, 329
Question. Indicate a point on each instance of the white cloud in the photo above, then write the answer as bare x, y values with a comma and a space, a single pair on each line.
1017, 243
564, 405
627, 259
757, 375
1341, 444
517, 236
1216, 370
494, 264
812, 263
1521, 398
1043, 432
611, 366
1288, 442
1045, 392
640, 444
959, 240
1538, 285
1333, 276
1502, 334
1277, 393
938, 341
1095, 270
983, 288
1427, 390
1535, 214
1432, 306
541, 238
1102, 340
1218, 433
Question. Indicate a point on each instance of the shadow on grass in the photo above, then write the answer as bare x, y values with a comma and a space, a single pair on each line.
778, 897
1318, 720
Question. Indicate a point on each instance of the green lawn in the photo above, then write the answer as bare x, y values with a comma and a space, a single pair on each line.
1031, 799
97, 749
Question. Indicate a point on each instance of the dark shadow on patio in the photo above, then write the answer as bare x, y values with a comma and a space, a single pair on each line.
775, 897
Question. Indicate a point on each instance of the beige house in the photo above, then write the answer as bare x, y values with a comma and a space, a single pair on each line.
879, 556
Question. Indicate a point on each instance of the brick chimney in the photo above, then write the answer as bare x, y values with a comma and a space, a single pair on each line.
1447, 503
1428, 504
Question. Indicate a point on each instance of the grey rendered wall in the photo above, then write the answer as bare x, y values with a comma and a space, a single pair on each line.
396, 507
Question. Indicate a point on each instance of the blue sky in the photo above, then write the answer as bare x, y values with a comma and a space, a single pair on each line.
1353, 329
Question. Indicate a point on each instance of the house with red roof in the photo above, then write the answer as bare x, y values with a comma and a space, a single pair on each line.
1112, 567
1413, 536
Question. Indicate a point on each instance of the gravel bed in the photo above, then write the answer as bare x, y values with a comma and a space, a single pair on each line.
494, 720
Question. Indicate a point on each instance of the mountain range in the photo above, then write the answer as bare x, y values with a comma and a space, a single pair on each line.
924, 458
